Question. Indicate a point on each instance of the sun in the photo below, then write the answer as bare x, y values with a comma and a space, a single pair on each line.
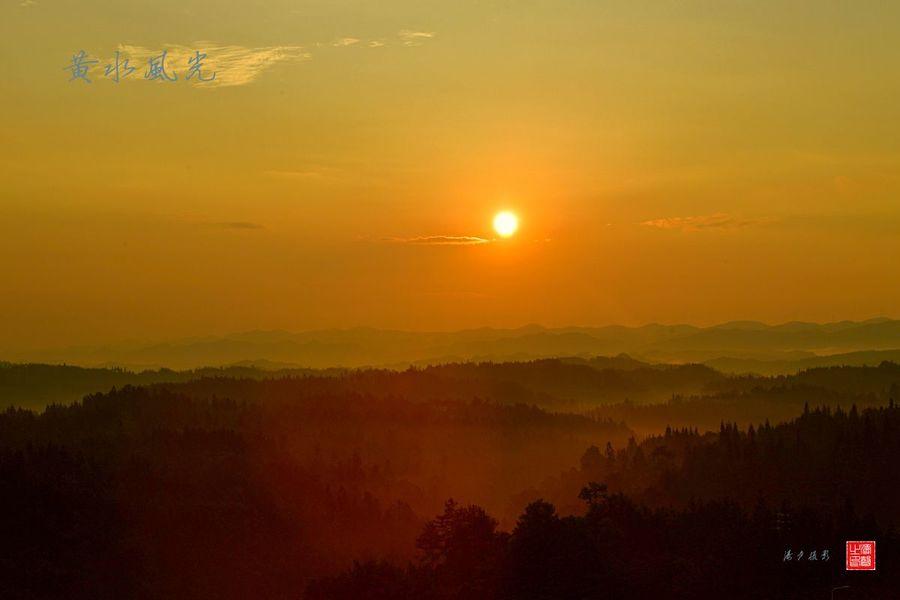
505, 223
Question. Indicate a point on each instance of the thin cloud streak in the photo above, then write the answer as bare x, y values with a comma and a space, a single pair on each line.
233, 65
441, 240
316, 173
717, 221
241, 225
410, 37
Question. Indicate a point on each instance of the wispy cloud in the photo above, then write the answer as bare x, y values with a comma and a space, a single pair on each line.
460, 294
236, 225
313, 173
441, 240
704, 222
409, 37
233, 65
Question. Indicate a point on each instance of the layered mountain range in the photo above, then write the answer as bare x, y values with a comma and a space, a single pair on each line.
738, 346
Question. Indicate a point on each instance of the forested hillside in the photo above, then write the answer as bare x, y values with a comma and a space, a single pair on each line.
762, 513
234, 487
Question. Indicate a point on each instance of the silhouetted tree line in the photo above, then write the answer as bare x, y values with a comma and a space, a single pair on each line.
155, 493
744, 406
622, 550
35, 385
823, 458
547, 382
882, 380
647, 397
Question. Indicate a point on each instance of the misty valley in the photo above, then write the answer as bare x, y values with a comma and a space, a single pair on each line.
550, 478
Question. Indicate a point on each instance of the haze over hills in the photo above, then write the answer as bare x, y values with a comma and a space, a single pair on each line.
738, 346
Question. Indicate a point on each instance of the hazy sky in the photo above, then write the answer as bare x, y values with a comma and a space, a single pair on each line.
668, 161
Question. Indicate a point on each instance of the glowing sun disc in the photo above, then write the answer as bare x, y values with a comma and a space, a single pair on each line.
505, 223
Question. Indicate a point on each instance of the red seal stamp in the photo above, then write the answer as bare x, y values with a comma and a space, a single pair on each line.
861, 556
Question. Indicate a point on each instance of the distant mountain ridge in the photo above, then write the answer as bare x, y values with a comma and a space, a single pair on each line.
743, 343
784, 367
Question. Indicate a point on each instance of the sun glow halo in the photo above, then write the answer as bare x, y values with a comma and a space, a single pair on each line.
505, 223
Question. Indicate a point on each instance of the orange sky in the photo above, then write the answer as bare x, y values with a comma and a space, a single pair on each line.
674, 162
